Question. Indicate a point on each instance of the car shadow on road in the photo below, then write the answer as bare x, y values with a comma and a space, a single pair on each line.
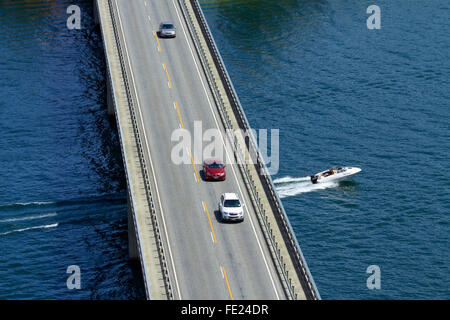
219, 218
202, 175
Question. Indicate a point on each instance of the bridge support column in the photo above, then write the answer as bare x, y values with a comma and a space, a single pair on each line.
109, 97
96, 18
132, 240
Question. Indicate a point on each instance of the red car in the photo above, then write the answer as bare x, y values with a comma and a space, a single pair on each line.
214, 169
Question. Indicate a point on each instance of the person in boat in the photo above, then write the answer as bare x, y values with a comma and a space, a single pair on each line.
327, 173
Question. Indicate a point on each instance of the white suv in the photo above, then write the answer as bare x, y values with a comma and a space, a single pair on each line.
230, 207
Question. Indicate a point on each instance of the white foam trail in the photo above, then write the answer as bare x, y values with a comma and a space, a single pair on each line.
291, 179
291, 186
35, 203
54, 225
40, 216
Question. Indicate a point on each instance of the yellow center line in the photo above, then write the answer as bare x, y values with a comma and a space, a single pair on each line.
168, 77
228, 284
157, 40
193, 164
179, 115
190, 153
210, 222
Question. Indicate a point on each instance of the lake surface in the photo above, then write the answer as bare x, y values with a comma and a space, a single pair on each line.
340, 94
63, 198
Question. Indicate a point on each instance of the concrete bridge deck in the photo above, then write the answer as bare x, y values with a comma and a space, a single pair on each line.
160, 85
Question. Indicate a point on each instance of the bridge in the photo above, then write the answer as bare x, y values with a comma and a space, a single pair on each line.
155, 87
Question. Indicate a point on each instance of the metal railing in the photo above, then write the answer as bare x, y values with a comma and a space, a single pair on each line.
153, 216
266, 181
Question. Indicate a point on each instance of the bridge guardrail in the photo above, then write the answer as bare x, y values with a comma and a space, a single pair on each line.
289, 238
153, 215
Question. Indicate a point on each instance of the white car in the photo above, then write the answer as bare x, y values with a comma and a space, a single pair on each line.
167, 30
231, 208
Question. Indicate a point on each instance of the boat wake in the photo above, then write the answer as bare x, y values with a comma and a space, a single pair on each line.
53, 225
25, 218
25, 204
291, 186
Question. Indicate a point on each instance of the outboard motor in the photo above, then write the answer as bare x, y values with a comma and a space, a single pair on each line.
314, 179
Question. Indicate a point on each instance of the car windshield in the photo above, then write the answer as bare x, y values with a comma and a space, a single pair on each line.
168, 26
232, 203
215, 165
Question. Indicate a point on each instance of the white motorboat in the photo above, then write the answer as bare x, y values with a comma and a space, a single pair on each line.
334, 174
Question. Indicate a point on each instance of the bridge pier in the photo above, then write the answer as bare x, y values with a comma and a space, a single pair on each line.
96, 17
109, 97
133, 250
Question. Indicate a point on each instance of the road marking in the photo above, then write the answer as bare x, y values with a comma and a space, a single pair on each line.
210, 221
189, 151
151, 162
193, 164
226, 151
228, 284
157, 40
167, 73
145, 2
179, 114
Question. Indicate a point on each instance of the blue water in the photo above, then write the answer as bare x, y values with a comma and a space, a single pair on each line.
339, 93
62, 191
345, 95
